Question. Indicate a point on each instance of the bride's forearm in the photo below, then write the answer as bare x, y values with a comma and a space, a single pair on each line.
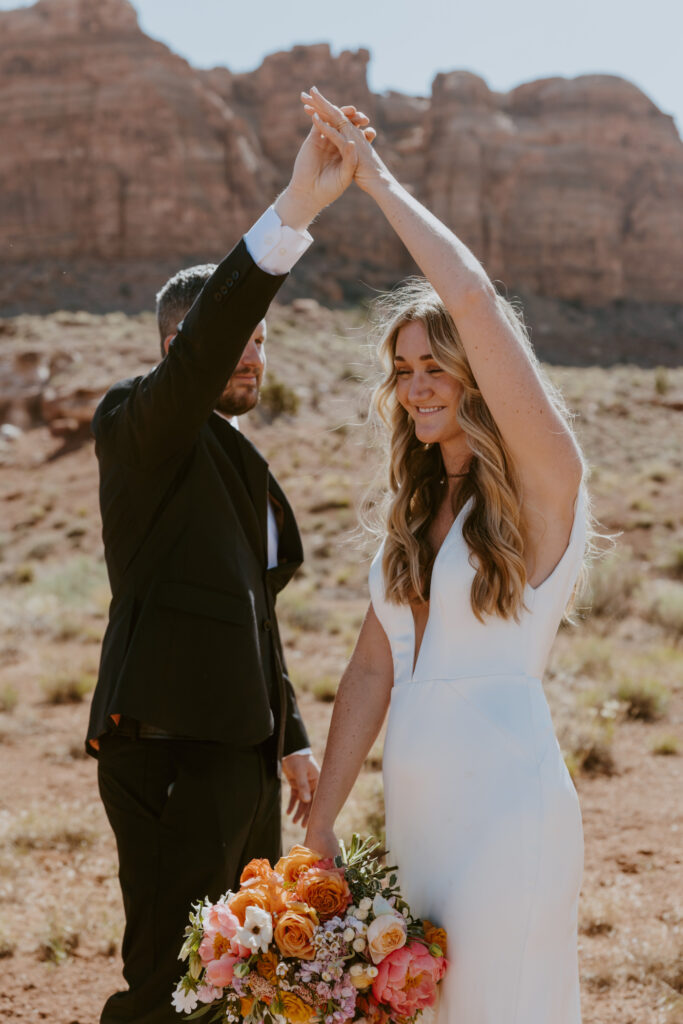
443, 258
359, 711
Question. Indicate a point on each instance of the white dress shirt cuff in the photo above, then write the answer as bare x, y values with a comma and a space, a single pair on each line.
274, 246
304, 750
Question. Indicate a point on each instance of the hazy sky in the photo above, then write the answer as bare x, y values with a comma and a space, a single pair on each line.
505, 41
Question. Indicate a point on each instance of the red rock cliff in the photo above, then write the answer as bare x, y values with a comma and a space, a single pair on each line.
120, 161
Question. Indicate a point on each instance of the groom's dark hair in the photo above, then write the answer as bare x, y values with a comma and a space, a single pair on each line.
177, 295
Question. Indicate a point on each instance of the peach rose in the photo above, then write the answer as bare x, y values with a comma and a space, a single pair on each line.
258, 869
385, 934
250, 896
436, 936
297, 860
295, 1009
326, 890
294, 931
246, 1005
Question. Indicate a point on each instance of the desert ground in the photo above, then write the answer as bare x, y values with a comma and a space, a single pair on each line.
614, 683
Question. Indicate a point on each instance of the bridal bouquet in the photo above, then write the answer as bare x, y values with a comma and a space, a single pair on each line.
311, 941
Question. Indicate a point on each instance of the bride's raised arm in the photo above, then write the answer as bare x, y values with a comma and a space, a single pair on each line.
544, 450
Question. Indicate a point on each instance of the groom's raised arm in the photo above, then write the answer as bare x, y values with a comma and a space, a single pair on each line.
157, 416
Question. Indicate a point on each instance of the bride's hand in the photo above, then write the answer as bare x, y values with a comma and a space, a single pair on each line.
340, 131
322, 171
323, 841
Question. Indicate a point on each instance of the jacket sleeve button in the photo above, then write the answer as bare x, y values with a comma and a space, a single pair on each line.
235, 275
267, 625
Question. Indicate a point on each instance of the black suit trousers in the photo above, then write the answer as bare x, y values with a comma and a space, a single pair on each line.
187, 816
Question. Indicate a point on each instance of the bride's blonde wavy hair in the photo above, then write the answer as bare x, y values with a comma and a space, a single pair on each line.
494, 529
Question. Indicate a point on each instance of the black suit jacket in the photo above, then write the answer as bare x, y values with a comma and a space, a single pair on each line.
192, 644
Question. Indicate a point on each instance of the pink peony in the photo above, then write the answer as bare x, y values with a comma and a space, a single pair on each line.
408, 978
220, 935
219, 972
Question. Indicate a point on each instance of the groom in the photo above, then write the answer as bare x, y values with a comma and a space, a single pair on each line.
193, 713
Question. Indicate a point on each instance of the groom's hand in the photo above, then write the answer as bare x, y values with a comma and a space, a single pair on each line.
301, 772
322, 171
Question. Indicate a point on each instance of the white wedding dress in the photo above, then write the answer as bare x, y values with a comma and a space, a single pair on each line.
482, 817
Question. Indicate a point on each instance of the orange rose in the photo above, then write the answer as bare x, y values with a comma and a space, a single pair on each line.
294, 931
266, 966
257, 869
436, 935
324, 889
246, 1005
295, 1009
297, 860
250, 896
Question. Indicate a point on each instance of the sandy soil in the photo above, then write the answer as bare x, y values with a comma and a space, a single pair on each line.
60, 914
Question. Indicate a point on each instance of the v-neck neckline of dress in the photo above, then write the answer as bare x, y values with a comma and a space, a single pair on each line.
416, 652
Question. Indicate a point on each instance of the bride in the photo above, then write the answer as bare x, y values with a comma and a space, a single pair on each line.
486, 521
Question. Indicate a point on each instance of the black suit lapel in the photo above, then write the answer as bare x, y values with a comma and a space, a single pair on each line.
245, 473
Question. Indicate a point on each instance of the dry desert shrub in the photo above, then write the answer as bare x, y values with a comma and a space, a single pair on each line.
9, 698
8, 943
325, 689
587, 737
667, 745
665, 607
674, 562
78, 583
23, 574
644, 699
613, 580
300, 609
661, 380
58, 942
41, 548
597, 915
57, 827
590, 655
67, 687
277, 399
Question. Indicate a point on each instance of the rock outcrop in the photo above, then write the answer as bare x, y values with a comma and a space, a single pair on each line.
121, 162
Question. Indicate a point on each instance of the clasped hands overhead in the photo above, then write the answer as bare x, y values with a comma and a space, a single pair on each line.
337, 151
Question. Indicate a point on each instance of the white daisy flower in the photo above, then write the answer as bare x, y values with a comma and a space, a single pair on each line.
257, 932
184, 1000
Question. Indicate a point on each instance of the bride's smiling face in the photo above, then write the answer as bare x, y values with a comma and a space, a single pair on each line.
429, 395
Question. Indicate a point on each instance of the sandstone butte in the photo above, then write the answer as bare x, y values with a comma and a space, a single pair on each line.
121, 162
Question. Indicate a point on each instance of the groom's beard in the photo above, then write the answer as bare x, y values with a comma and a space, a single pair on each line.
241, 393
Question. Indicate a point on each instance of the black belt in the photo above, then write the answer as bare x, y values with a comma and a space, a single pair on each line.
144, 731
